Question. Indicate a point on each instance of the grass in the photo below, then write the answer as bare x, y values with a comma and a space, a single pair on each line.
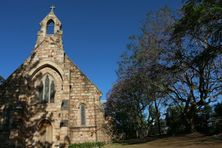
188, 141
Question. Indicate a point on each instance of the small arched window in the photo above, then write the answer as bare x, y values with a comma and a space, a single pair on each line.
46, 90
83, 114
50, 27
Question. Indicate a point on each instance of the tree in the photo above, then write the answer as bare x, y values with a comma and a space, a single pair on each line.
174, 121
126, 109
140, 87
195, 58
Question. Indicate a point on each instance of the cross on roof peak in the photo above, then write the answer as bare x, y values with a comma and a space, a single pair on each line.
52, 8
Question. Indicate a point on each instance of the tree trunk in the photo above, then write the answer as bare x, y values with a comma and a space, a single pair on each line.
189, 123
157, 117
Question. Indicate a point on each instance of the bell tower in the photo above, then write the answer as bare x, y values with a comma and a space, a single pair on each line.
50, 27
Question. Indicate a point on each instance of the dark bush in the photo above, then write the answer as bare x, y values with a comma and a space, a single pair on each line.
87, 145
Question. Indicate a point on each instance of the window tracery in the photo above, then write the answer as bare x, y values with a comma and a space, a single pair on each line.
46, 89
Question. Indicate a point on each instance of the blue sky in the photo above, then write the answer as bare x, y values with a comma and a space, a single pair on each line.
95, 32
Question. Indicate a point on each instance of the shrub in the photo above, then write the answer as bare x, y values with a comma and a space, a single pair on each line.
87, 145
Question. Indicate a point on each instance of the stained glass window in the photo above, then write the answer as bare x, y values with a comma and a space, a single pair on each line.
46, 90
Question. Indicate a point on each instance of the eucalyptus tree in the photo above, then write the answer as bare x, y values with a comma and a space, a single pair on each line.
196, 58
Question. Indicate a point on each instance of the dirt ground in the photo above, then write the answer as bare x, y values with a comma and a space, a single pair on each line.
189, 141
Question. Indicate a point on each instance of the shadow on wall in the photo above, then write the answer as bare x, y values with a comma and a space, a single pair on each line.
19, 108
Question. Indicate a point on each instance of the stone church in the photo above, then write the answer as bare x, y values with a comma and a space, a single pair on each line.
48, 101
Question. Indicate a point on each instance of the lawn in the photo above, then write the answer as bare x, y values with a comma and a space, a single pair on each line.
188, 141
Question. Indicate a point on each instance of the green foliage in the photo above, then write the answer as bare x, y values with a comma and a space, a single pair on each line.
218, 110
125, 106
203, 118
175, 121
199, 19
218, 117
88, 145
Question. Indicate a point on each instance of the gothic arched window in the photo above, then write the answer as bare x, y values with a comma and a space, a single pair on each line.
46, 90
83, 114
50, 27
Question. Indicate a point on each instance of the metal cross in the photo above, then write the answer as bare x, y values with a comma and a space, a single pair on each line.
52, 8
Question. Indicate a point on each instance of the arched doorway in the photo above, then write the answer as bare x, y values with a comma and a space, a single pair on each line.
45, 134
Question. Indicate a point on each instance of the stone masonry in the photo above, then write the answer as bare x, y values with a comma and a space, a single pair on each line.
73, 114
